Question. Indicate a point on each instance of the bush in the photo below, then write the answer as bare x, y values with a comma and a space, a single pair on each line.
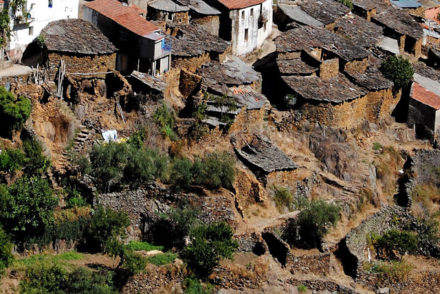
6, 256
35, 161
216, 170
13, 111
391, 272
192, 285
45, 277
302, 288
347, 3
106, 226
398, 70
171, 229
312, 224
209, 243
164, 118
11, 160
283, 198
26, 207
394, 240
182, 171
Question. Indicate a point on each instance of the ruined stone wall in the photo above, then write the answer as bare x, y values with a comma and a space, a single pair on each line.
356, 66
373, 106
247, 119
181, 18
189, 83
290, 55
371, 13
80, 63
318, 264
421, 114
329, 69
191, 63
210, 23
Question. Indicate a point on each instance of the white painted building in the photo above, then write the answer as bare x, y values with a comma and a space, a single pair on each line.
249, 23
25, 30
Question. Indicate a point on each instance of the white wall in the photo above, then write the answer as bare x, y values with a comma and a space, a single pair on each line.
256, 36
42, 14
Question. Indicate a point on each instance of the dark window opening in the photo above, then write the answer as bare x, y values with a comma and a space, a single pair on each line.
246, 34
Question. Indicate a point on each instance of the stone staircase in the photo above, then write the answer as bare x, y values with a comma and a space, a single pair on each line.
80, 139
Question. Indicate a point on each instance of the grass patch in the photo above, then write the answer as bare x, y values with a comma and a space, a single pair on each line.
377, 146
301, 288
138, 246
39, 258
162, 259
394, 271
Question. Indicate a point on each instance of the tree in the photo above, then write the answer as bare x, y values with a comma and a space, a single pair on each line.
35, 161
105, 226
6, 256
209, 244
11, 160
13, 111
398, 70
396, 241
26, 207
216, 170
347, 3
312, 225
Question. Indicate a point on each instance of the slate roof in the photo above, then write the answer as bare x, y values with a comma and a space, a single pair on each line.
370, 4
167, 5
325, 11
335, 90
399, 21
126, 16
361, 32
262, 154
427, 71
232, 72
372, 80
192, 41
406, 3
295, 13
152, 82
238, 4
307, 38
294, 67
200, 6
76, 36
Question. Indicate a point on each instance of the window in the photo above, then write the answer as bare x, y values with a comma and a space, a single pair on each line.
50, 3
246, 34
264, 26
31, 31
252, 12
170, 16
242, 14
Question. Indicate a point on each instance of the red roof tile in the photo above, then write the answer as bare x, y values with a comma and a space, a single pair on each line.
424, 96
238, 4
126, 16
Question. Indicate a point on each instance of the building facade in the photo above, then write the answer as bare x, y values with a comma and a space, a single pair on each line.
27, 25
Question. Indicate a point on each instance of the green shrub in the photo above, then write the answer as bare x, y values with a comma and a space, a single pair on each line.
35, 162
181, 175
283, 198
312, 225
301, 288
394, 240
13, 111
377, 146
162, 258
106, 225
48, 277
347, 3
26, 207
209, 243
6, 256
164, 118
172, 227
216, 170
398, 70
11, 160
133, 263
192, 285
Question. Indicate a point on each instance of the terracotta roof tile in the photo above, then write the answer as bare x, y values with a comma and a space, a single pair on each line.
238, 4
424, 96
126, 16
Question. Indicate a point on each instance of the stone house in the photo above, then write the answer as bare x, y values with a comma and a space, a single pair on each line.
184, 12
246, 23
26, 25
424, 107
169, 11
142, 45
80, 44
326, 78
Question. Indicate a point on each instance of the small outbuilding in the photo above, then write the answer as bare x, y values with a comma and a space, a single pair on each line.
79, 44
